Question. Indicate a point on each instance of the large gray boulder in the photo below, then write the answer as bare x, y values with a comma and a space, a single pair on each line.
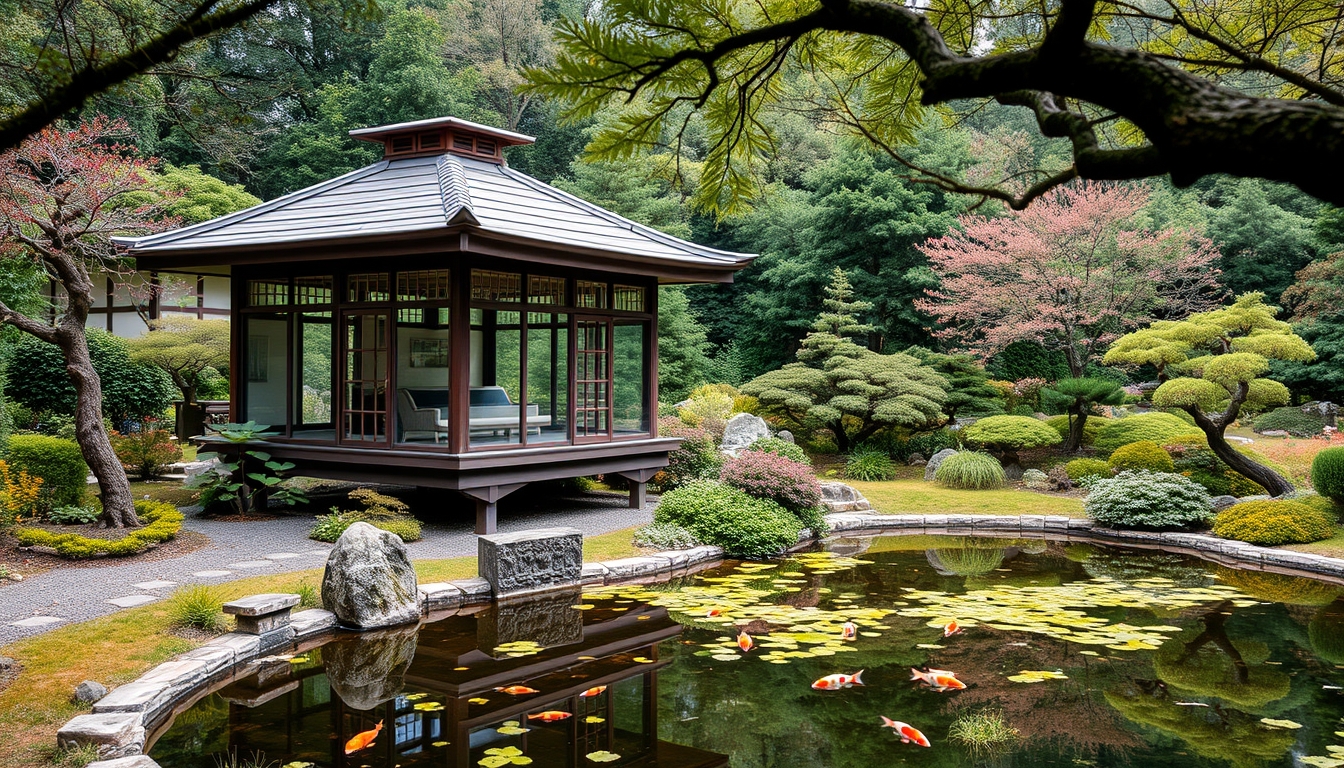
741, 431
935, 461
369, 668
369, 581
839, 497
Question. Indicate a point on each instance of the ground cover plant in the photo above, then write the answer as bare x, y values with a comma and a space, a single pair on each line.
1274, 522
1153, 500
161, 522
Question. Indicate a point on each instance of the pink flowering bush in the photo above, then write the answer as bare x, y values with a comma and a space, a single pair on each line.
784, 481
697, 458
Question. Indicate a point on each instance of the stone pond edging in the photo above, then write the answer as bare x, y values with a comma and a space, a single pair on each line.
122, 720
1204, 546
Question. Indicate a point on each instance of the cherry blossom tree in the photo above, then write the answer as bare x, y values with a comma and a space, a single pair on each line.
63, 194
1073, 272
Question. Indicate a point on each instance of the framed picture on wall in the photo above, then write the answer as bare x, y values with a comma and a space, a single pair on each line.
429, 353
258, 357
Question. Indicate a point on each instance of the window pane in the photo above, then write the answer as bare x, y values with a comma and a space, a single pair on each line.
423, 359
631, 411
313, 290
265, 357
267, 293
312, 417
629, 298
496, 286
424, 285
547, 378
494, 417
369, 286
545, 290
591, 295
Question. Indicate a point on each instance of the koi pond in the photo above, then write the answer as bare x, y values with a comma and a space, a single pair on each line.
1063, 654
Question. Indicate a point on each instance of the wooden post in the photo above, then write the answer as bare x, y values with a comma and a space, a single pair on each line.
638, 494
486, 515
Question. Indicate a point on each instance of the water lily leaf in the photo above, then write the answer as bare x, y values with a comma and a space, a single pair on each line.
642, 660
725, 657
478, 700
440, 744
1321, 762
299, 660
1286, 724
594, 719
930, 646
583, 607
602, 756
1030, 676
415, 696
504, 751
494, 761
429, 706
298, 764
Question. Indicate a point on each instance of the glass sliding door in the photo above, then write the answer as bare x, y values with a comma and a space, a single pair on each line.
364, 377
316, 373
592, 379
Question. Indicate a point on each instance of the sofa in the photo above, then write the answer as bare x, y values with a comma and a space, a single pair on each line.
423, 412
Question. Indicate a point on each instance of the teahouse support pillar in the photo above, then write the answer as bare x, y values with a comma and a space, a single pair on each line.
487, 504
638, 480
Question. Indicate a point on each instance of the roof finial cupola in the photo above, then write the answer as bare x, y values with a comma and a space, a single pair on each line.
438, 135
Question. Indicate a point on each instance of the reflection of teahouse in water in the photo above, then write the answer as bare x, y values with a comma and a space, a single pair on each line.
445, 706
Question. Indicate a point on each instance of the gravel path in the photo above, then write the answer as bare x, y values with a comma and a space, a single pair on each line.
238, 550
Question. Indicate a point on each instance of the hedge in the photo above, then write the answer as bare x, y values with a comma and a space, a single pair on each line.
59, 463
1274, 522
161, 521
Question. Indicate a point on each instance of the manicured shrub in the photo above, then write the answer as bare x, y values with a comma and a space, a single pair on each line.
665, 536
1274, 522
37, 378
161, 521
1079, 469
329, 528
1091, 428
1036, 480
1144, 454
405, 528
1010, 434
1158, 427
726, 517
780, 448
1327, 473
58, 462
1322, 504
1141, 499
1289, 419
385, 512
970, 470
784, 481
697, 458
197, 606
870, 465
146, 453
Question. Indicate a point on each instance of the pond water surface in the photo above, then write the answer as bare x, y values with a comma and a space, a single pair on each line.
1095, 656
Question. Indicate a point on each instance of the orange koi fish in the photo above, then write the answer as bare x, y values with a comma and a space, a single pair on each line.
363, 740
518, 690
938, 679
907, 732
594, 691
951, 629
848, 631
744, 641
836, 682
713, 613
550, 716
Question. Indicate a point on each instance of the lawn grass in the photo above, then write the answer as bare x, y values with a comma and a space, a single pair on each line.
916, 497
1331, 547
118, 648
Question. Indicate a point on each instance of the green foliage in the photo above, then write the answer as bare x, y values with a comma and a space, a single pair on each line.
1262, 243
1027, 360
1083, 468
969, 392
983, 730
329, 528
197, 606
869, 465
840, 386
1079, 395
38, 379
1327, 474
1290, 419
697, 458
266, 477
406, 528
664, 536
195, 195
683, 360
1156, 427
1144, 454
782, 480
1326, 633
190, 351
971, 471
385, 512
780, 448
72, 515
148, 452
1010, 433
58, 462
726, 517
1148, 500
1091, 428
1278, 587
1273, 523
161, 522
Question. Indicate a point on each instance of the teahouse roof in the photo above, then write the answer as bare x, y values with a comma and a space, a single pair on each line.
453, 182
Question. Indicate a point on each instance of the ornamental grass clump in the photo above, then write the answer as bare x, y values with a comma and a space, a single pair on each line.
1144, 454
1274, 522
970, 470
984, 731
1152, 500
870, 465
727, 517
197, 606
1327, 474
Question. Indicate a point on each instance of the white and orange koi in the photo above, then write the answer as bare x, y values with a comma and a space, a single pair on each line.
744, 642
951, 628
938, 679
836, 682
594, 691
908, 733
848, 631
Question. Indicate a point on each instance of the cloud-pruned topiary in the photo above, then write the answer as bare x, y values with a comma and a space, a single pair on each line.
1080, 469
1274, 522
1157, 427
1327, 474
1144, 454
1091, 428
1152, 500
726, 517
970, 470
1007, 435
